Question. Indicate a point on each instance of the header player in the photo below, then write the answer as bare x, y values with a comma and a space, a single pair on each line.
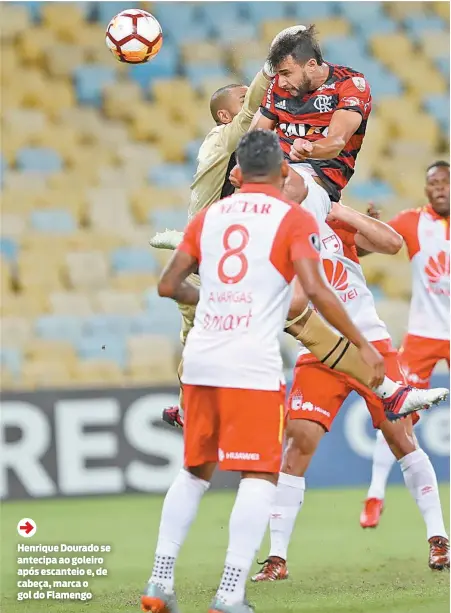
320, 111
248, 248
426, 234
318, 393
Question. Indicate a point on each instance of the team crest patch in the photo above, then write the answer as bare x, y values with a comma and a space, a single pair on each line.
359, 82
331, 243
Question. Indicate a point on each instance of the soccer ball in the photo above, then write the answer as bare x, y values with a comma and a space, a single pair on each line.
134, 36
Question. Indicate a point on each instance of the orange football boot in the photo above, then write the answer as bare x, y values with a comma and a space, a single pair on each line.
371, 514
438, 553
273, 569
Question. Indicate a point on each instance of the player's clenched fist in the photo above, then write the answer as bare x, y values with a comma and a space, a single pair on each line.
301, 150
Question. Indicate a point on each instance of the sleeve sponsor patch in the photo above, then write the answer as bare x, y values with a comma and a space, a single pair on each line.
351, 101
360, 83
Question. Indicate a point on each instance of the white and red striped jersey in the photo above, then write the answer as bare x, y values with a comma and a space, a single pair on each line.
343, 272
426, 235
245, 245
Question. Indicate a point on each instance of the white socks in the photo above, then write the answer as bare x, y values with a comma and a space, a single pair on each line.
248, 523
179, 510
420, 479
383, 460
289, 499
387, 388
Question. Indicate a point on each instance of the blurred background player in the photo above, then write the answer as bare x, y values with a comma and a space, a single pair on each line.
426, 234
232, 372
318, 393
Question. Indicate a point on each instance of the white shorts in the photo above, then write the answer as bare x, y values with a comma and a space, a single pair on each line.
317, 201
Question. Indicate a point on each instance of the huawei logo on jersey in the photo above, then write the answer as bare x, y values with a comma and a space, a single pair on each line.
438, 267
336, 274
437, 270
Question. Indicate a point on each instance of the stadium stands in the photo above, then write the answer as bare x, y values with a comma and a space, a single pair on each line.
96, 156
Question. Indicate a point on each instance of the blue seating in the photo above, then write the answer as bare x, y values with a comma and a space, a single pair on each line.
265, 11
11, 359
192, 150
182, 21
197, 73
163, 66
169, 14
438, 106
216, 13
133, 259
53, 220
370, 27
163, 175
345, 51
8, 248
104, 326
370, 190
361, 11
442, 64
307, 12
103, 348
3, 166
417, 25
33, 8
229, 32
382, 81
59, 327
160, 315
165, 318
39, 159
171, 219
250, 68
105, 11
90, 81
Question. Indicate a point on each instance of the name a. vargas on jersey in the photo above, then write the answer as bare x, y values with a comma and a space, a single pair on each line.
230, 297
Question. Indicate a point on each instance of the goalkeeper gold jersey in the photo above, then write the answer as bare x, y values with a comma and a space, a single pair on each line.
217, 152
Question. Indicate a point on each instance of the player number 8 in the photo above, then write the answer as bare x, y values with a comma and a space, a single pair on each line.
234, 251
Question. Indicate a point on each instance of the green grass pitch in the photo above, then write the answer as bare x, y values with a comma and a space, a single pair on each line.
336, 567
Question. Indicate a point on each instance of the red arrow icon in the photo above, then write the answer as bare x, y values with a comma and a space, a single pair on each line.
27, 528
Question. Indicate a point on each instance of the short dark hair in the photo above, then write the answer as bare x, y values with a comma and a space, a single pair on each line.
218, 98
259, 154
438, 164
302, 45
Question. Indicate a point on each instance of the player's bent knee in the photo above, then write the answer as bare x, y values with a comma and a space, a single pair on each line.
203, 471
400, 440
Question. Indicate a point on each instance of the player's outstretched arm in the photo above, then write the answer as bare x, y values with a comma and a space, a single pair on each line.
173, 284
372, 235
232, 132
324, 299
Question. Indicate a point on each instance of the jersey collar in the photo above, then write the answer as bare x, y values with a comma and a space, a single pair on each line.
261, 188
428, 208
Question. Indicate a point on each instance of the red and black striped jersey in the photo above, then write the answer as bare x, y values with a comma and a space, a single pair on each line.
309, 117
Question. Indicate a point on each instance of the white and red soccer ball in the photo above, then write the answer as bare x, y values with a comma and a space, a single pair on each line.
134, 36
